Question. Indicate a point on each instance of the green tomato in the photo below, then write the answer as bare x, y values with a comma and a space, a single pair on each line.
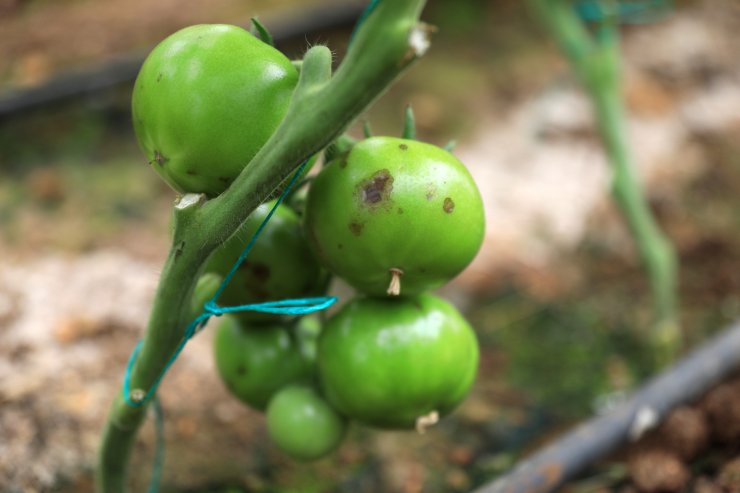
395, 210
279, 266
397, 363
302, 424
205, 101
257, 362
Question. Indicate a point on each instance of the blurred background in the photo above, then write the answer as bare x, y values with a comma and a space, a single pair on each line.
557, 295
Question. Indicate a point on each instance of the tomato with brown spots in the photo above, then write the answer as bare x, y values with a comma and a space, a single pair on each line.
279, 266
395, 216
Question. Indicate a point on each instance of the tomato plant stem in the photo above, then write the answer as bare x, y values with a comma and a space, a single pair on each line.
595, 59
388, 41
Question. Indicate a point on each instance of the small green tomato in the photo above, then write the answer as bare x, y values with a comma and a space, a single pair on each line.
395, 212
256, 362
303, 425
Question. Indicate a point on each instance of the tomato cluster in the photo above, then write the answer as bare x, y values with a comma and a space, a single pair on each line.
393, 217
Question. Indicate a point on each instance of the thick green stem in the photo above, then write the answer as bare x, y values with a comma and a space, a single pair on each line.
596, 61
390, 39
655, 250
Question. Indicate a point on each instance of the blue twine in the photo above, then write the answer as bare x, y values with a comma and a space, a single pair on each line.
156, 478
299, 306
363, 17
629, 11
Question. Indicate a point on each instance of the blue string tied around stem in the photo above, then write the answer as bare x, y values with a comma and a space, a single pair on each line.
298, 306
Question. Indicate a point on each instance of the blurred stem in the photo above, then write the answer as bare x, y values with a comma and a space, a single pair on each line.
596, 61
389, 41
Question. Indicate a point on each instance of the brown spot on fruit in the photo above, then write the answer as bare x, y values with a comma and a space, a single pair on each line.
400, 211
431, 191
241, 371
403, 147
448, 205
224, 179
159, 77
340, 246
160, 158
356, 228
377, 188
260, 271
190, 172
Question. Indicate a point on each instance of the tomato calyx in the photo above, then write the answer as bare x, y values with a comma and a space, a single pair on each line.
423, 423
394, 287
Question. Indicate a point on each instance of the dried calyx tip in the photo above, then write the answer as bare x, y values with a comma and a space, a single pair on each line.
394, 288
419, 39
426, 421
189, 199
137, 395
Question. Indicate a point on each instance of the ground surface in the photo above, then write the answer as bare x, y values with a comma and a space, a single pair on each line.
84, 232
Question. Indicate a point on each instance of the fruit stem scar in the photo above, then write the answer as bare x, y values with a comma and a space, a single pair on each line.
426, 421
394, 288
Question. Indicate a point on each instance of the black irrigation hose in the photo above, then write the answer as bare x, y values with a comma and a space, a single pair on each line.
573, 453
123, 69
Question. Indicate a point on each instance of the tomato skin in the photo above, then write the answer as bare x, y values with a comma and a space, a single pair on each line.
205, 101
386, 362
395, 203
302, 424
255, 363
279, 266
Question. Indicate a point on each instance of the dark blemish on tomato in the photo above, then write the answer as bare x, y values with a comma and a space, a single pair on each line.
159, 77
260, 271
241, 371
377, 188
400, 211
339, 246
224, 179
448, 205
190, 172
260, 294
403, 147
356, 228
160, 158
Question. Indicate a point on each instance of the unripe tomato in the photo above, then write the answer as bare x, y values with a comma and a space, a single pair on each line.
302, 424
395, 208
392, 363
279, 266
205, 101
254, 363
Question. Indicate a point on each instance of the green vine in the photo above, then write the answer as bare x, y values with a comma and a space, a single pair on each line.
388, 41
595, 59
